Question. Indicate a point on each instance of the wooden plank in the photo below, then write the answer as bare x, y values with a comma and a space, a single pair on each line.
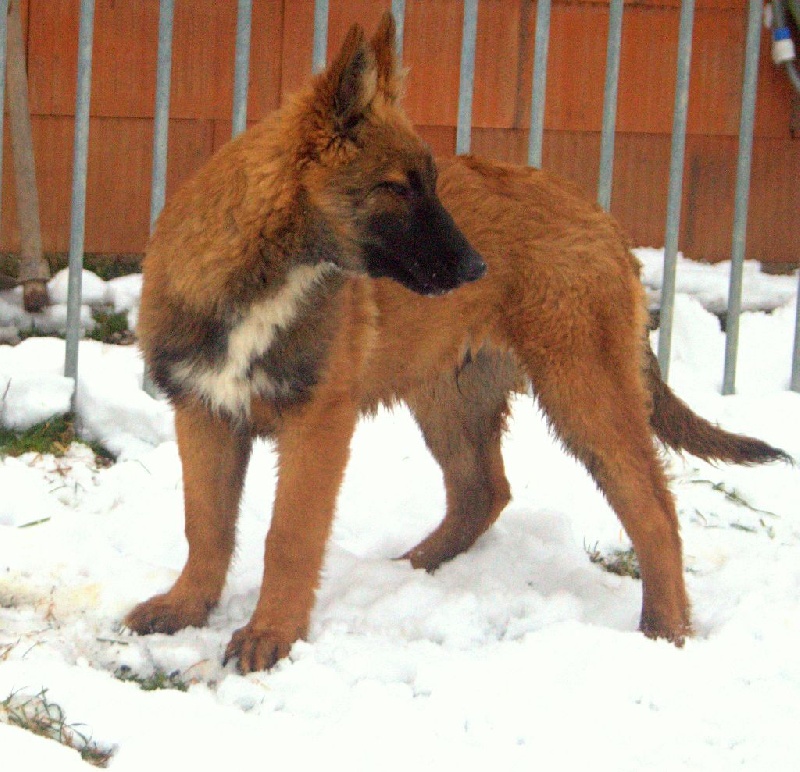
775, 201
344, 13
641, 179
773, 97
441, 139
52, 56
647, 71
118, 183
506, 145
52, 143
498, 63
203, 59
298, 36
266, 58
124, 145
123, 57
432, 43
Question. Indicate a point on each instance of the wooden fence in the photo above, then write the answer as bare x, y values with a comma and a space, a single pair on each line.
123, 82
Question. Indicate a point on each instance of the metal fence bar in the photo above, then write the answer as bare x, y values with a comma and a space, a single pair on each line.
795, 381
3, 39
399, 13
79, 170
610, 104
244, 21
675, 184
161, 117
320, 51
466, 83
746, 122
541, 41
158, 185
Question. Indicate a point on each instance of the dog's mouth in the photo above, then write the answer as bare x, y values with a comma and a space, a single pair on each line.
433, 283
421, 248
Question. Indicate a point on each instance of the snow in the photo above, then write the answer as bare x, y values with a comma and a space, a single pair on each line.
520, 654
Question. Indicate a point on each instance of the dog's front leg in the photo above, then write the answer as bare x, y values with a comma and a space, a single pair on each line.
214, 456
313, 448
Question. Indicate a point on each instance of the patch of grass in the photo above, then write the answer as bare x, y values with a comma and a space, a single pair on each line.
47, 719
111, 327
105, 266
52, 436
157, 680
733, 496
619, 562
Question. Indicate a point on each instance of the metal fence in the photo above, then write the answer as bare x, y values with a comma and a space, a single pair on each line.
463, 137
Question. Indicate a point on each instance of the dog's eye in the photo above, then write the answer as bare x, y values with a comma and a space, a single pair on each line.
395, 188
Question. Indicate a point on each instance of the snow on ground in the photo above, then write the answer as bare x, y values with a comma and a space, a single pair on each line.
520, 654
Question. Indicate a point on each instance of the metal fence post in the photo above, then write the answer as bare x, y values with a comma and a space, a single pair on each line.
466, 83
746, 122
399, 13
675, 185
79, 171
541, 42
795, 381
244, 19
161, 115
610, 104
160, 129
320, 51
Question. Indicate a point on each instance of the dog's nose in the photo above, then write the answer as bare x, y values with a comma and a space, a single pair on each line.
472, 267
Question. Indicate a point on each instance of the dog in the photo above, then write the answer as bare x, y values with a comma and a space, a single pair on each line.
321, 265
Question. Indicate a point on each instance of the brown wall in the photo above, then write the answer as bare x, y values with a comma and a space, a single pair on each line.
123, 78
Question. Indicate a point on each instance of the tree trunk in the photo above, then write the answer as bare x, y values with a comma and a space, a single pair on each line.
33, 270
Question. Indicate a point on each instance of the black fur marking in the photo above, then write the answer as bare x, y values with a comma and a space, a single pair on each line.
418, 244
192, 339
294, 361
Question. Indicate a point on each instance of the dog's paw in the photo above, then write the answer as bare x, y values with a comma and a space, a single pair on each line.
166, 614
674, 631
258, 648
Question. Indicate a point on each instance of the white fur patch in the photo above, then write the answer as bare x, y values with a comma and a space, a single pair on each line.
229, 386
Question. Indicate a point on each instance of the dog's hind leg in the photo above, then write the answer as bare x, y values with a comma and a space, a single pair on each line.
462, 416
214, 457
596, 404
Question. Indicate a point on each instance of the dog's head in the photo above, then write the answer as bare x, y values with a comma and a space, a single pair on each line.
373, 180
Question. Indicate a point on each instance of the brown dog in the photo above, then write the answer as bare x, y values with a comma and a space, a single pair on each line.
263, 314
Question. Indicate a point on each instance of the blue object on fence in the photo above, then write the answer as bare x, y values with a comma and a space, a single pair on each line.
161, 116
746, 122
399, 13
320, 52
466, 83
3, 39
79, 170
610, 104
675, 185
541, 41
244, 19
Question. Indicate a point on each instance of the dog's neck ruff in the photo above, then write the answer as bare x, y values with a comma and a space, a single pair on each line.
228, 385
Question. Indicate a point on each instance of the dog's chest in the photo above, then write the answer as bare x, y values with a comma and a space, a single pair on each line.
274, 349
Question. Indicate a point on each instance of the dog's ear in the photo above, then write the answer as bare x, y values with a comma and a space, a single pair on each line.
349, 85
390, 81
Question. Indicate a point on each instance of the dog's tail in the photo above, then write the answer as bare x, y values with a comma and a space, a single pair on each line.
677, 426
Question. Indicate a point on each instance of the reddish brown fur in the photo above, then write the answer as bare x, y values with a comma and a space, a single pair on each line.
561, 308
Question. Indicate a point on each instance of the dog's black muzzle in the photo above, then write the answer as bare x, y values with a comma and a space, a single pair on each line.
422, 248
